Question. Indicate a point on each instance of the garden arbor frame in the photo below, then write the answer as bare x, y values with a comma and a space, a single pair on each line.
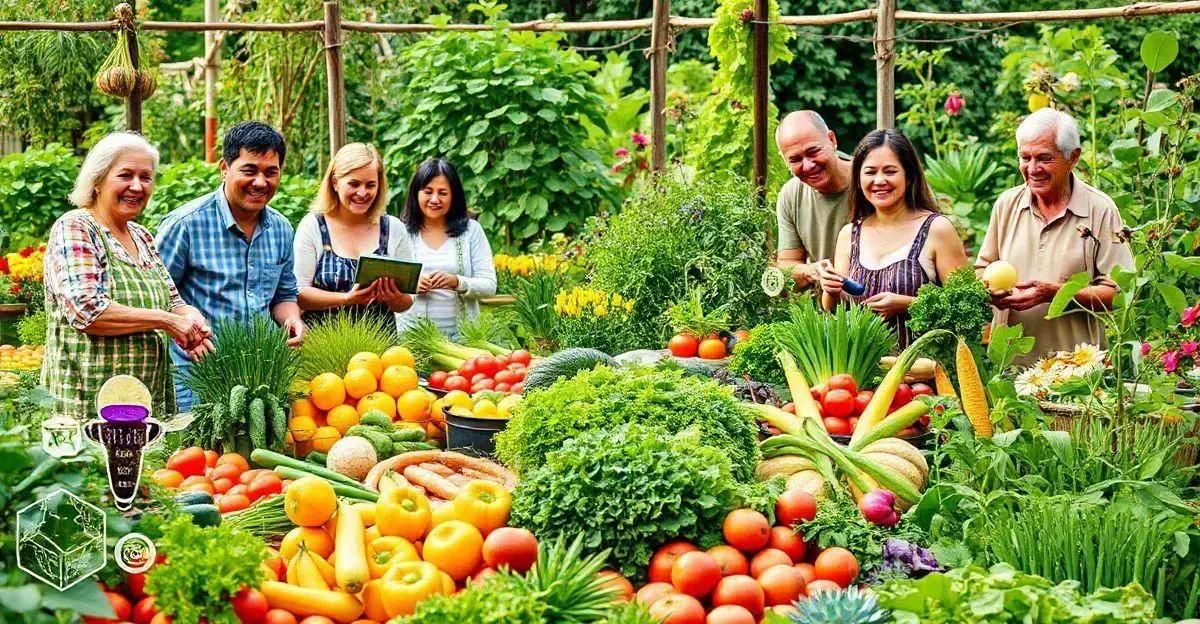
662, 27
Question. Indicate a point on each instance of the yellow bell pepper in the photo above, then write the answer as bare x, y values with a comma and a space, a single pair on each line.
407, 583
372, 597
402, 511
483, 504
384, 551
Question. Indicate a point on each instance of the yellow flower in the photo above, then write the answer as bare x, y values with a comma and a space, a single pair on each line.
601, 310
629, 306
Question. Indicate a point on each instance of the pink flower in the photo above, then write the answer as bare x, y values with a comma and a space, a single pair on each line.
617, 168
1170, 361
954, 103
620, 152
640, 139
1145, 349
1188, 347
1190, 315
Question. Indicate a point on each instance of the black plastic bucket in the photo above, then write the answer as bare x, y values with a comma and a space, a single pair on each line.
475, 434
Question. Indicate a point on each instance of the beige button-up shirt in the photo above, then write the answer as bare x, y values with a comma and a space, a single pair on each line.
1052, 252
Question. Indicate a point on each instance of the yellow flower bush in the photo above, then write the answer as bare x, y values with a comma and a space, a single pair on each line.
26, 264
588, 317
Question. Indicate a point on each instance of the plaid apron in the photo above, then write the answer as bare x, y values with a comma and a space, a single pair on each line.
77, 364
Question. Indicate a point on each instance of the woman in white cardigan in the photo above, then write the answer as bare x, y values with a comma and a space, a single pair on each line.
458, 268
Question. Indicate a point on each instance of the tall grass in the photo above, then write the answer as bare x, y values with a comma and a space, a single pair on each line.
332, 342
249, 352
850, 340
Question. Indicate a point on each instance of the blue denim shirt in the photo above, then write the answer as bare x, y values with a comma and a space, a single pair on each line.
221, 273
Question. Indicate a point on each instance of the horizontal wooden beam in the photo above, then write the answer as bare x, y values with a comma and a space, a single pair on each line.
1141, 9
540, 26
314, 25
61, 26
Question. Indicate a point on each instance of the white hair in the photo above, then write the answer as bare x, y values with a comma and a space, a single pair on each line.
99, 161
1043, 120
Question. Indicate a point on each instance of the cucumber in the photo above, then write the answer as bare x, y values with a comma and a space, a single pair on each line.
565, 363
407, 435
315, 457
279, 418
406, 447
271, 459
379, 440
237, 401
194, 498
256, 422
203, 514
357, 492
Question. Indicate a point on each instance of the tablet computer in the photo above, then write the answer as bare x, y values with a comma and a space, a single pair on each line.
372, 267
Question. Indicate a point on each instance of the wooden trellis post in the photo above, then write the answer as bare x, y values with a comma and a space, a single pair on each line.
659, 37
761, 77
885, 65
335, 77
212, 60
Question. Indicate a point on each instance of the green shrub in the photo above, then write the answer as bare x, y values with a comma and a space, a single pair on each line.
34, 185
505, 108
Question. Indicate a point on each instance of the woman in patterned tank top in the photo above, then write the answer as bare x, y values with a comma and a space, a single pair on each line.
896, 240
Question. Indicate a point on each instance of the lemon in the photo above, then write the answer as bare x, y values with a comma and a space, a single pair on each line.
1000, 275
458, 398
505, 406
485, 408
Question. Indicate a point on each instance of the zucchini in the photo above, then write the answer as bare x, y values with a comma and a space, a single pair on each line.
203, 514
565, 363
194, 498
357, 492
271, 459
256, 422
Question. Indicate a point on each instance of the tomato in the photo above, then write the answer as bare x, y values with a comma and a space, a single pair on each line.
250, 605
144, 611
746, 530
221, 486
506, 376
904, 395
818, 393
782, 584
783, 538
853, 422
234, 458
478, 377
821, 585
163, 618
729, 614
651, 592
516, 367
457, 382
907, 432
316, 619
520, 356
120, 605
712, 349
740, 590
795, 506
806, 570
169, 479
695, 574
920, 389
279, 616
483, 384
789, 408
836, 564
839, 403
241, 488
664, 559
616, 581
234, 502
729, 559
246, 477
512, 547
437, 379
842, 381
188, 462
488, 365
861, 400
837, 426
518, 387
227, 470
683, 345
768, 558
265, 485
677, 609
275, 561
137, 585
455, 547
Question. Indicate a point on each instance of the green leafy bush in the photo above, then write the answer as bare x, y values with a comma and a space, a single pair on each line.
605, 398
755, 356
31, 329
505, 108
180, 183
705, 233
962, 305
34, 185
629, 488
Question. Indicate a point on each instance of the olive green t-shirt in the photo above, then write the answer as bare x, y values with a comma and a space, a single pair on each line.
810, 220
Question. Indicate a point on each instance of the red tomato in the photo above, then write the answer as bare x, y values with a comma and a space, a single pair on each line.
246, 477
836, 564
651, 592
712, 349
818, 393
487, 365
518, 387
512, 547
746, 530
137, 585
520, 356
740, 590
806, 570
795, 506
188, 462
853, 422
861, 400
210, 458
683, 345
504, 360
478, 377
503, 387
516, 367
907, 432
264, 485
783, 538
822, 585
904, 395
677, 609
618, 582
782, 584
250, 606
237, 489
437, 379
920, 389
221, 486
768, 558
279, 616
729, 614
468, 369
695, 574
457, 382
227, 470
507, 376
483, 384
838, 402
729, 559
144, 611
664, 559
837, 426
234, 502
843, 381
120, 605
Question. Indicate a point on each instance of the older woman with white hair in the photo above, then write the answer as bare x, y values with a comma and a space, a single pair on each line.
1050, 228
109, 300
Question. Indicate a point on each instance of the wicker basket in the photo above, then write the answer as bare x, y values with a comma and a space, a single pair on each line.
1064, 418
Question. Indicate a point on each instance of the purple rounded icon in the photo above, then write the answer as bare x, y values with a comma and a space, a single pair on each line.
124, 413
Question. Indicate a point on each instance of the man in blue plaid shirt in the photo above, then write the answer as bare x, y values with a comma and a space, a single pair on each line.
229, 253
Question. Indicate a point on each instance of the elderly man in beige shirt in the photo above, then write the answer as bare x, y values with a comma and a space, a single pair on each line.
1050, 228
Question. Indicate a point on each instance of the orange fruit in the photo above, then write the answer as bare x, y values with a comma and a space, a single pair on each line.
324, 438
413, 405
380, 401
315, 538
398, 379
398, 356
367, 360
342, 418
309, 502
302, 428
305, 407
359, 383
327, 391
